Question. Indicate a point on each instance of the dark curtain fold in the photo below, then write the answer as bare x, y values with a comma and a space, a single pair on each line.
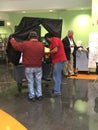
12, 54
53, 26
26, 25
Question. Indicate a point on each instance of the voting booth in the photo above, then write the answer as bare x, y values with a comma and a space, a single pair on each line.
28, 24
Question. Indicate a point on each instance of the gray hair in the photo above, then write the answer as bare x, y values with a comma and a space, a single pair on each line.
33, 34
70, 31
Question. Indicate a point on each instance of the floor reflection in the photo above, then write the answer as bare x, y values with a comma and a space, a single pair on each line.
76, 109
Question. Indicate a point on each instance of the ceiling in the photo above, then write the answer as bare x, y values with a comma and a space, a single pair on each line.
43, 5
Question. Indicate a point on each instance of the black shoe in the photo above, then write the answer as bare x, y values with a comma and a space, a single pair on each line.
73, 74
67, 76
32, 99
55, 94
39, 98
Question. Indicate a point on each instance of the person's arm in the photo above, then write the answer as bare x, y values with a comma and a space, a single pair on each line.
16, 45
54, 50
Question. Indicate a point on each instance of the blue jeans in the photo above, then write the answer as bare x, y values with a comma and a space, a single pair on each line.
34, 75
57, 76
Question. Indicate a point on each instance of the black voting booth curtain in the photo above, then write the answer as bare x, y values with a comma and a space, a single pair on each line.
28, 24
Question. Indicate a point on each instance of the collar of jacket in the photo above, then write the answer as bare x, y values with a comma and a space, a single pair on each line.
33, 39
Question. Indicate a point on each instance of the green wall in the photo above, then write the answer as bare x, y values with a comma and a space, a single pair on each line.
77, 20
80, 22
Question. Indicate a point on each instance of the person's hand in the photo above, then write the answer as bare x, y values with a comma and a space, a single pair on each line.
46, 50
47, 55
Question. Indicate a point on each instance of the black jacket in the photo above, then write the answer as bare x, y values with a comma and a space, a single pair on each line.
67, 48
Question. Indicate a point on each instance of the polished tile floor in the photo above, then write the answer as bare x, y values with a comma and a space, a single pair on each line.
76, 109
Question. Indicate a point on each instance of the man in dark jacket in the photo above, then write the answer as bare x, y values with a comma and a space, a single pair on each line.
70, 50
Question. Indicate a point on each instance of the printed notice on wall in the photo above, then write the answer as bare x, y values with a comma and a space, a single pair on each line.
93, 50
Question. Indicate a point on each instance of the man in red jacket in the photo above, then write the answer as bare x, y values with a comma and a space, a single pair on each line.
33, 52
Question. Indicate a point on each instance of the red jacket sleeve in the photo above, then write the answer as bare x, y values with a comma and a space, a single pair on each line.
16, 45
